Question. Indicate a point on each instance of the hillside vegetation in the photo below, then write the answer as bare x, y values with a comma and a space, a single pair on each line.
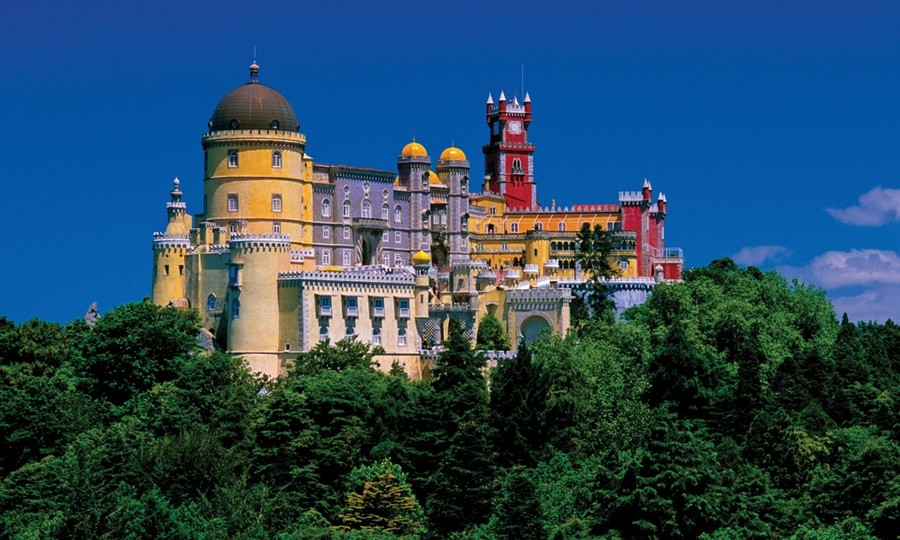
733, 405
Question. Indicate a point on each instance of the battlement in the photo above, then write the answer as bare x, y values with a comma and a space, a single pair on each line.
364, 274
249, 240
171, 241
631, 196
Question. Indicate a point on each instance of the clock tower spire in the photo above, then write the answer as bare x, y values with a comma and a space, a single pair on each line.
509, 156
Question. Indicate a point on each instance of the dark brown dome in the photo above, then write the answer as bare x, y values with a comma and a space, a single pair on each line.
253, 106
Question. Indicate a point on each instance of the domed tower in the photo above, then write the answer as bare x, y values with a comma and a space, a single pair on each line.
257, 177
453, 170
169, 251
413, 174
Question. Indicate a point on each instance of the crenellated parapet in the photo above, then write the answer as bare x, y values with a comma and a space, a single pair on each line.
244, 241
163, 241
538, 299
373, 276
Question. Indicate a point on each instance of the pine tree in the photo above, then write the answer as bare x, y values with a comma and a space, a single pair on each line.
383, 504
517, 513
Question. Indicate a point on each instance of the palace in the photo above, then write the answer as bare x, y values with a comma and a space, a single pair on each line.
287, 252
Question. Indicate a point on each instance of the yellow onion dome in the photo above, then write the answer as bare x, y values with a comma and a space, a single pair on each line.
421, 258
453, 154
413, 149
433, 178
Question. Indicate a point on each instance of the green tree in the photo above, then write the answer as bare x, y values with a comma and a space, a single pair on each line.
343, 355
491, 335
517, 511
594, 248
135, 346
382, 504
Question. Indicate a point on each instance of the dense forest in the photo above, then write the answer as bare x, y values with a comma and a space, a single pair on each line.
732, 405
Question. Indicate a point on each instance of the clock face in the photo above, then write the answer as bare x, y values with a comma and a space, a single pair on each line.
514, 127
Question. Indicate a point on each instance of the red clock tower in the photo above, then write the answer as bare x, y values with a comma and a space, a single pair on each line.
509, 157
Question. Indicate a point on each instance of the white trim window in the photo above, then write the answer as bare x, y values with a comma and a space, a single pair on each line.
232, 158
401, 337
366, 208
376, 335
346, 233
276, 202
386, 258
345, 209
398, 214
326, 208
398, 237
326, 257
385, 212
386, 236
276, 227
561, 227
276, 159
233, 202
326, 232
346, 257
514, 227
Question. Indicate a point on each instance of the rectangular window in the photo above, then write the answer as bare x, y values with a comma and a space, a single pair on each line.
276, 203
398, 260
398, 237
232, 159
398, 215
376, 336
492, 210
232, 202
386, 236
385, 213
326, 257
276, 227
234, 275
325, 306
386, 259
346, 258
403, 308
401, 337
166, 270
352, 306
326, 232
514, 228
378, 307
346, 233
180, 269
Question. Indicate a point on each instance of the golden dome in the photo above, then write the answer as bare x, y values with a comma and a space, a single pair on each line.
433, 178
414, 149
421, 258
453, 154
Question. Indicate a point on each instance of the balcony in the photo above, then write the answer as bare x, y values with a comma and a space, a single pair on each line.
378, 312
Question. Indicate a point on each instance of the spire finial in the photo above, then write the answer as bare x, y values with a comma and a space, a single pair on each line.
254, 69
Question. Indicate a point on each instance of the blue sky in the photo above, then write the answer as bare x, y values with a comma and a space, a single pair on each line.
772, 129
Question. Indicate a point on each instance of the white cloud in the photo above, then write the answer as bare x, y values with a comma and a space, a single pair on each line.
835, 269
875, 271
878, 304
756, 255
875, 208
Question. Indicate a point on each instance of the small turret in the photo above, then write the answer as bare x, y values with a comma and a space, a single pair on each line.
527, 103
647, 190
502, 102
661, 204
490, 107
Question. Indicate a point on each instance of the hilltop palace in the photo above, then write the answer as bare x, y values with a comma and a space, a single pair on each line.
288, 252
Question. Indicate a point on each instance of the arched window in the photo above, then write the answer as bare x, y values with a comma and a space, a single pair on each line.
211, 302
366, 208
276, 159
346, 258
326, 208
345, 211
538, 226
346, 233
276, 203
385, 212
464, 185
561, 227
490, 229
398, 214
514, 228
235, 309
552, 246
517, 166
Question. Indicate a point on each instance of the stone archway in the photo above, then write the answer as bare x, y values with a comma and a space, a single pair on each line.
534, 327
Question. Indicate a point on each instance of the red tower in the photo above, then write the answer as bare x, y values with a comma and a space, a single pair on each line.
509, 157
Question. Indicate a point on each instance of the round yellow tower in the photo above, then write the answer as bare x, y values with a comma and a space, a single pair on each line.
169, 251
257, 177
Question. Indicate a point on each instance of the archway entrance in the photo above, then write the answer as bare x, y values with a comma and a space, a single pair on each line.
534, 327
